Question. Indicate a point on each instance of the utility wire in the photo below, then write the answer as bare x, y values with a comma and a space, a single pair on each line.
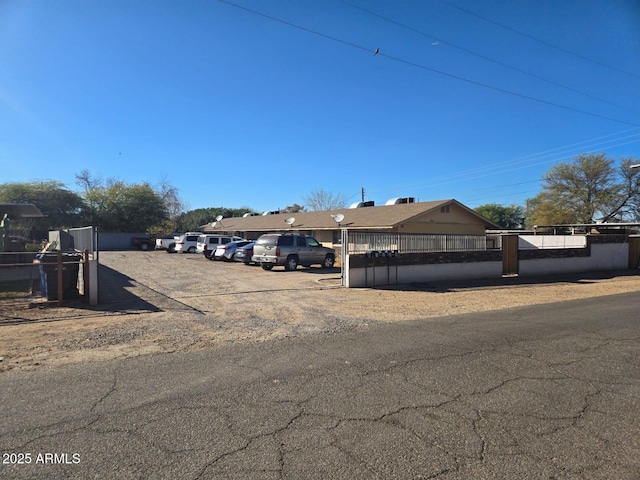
544, 42
424, 67
484, 57
503, 90
548, 156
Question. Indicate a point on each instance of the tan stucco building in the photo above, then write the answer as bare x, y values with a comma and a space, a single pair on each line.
436, 217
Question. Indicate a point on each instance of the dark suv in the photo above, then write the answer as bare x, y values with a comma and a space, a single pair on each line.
291, 250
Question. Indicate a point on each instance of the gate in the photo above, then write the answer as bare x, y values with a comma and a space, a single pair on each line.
634, 252
510, 255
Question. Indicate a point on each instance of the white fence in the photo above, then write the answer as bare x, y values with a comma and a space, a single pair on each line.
537, 242
455, 259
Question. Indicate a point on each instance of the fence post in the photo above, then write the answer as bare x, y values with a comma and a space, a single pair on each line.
59, 273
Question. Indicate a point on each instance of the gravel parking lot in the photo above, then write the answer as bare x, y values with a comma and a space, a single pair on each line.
157, 302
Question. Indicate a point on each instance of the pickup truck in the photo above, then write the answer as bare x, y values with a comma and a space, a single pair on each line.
167, 243
143, 243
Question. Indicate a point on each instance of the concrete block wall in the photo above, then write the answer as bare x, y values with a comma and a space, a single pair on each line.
600, 253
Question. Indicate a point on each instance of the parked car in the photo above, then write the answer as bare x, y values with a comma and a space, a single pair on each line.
167, 243
143, 243
207, 244
187, 243
291, 250
226, 252
244, 254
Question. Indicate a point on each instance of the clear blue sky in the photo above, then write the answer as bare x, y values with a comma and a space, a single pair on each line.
466, 99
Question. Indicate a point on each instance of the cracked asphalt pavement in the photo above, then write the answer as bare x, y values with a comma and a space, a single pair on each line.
549, 391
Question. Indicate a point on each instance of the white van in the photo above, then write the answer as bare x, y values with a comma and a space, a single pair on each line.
207, 244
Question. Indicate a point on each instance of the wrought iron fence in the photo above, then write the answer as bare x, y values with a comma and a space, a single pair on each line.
363, 242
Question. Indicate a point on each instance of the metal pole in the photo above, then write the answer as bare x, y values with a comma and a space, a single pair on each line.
345, 253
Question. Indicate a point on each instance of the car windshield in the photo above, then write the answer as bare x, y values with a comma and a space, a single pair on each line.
312, 242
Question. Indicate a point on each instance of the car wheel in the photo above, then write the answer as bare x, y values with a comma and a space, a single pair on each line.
292, 263
328, 262
144, 247
191, 250
266, 266
171, 248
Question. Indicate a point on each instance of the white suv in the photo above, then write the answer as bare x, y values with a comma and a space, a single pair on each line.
187, 242
207, 244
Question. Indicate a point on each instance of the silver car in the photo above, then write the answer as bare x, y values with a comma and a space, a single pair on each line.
226, 251
291, 250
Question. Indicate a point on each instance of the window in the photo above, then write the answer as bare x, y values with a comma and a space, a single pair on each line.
301, 242
444, 209
286, 241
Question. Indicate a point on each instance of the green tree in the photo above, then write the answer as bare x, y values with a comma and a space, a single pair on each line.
295, 208
155, 210
192, 220
508, 217
121, 207
61, 207
587, 189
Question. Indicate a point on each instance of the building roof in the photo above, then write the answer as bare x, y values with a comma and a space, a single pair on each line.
380, 217
20, 210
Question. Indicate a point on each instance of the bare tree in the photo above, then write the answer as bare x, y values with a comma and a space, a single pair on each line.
320, 200
87, 181
171, 199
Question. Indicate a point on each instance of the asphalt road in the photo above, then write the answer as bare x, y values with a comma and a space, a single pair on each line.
546, 392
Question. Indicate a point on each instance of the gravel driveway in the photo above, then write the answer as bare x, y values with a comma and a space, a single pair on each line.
155, 302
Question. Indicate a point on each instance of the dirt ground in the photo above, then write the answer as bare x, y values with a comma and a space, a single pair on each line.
153, 302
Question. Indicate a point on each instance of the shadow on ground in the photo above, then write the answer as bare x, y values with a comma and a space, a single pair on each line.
509, 281
116, 293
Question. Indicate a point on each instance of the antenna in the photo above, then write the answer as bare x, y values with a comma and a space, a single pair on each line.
289, 221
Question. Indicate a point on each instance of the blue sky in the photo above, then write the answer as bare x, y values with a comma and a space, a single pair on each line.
259, 103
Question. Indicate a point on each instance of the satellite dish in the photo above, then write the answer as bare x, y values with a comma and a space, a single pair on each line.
289, 221
213, 224
338, 217
219, 217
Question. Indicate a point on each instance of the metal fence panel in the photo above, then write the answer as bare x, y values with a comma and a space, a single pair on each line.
363, 242
84, 239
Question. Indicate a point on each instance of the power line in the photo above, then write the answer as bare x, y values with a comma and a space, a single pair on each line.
484, 57
502, 90
308, 30
424, 67
547, 156
544, 42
